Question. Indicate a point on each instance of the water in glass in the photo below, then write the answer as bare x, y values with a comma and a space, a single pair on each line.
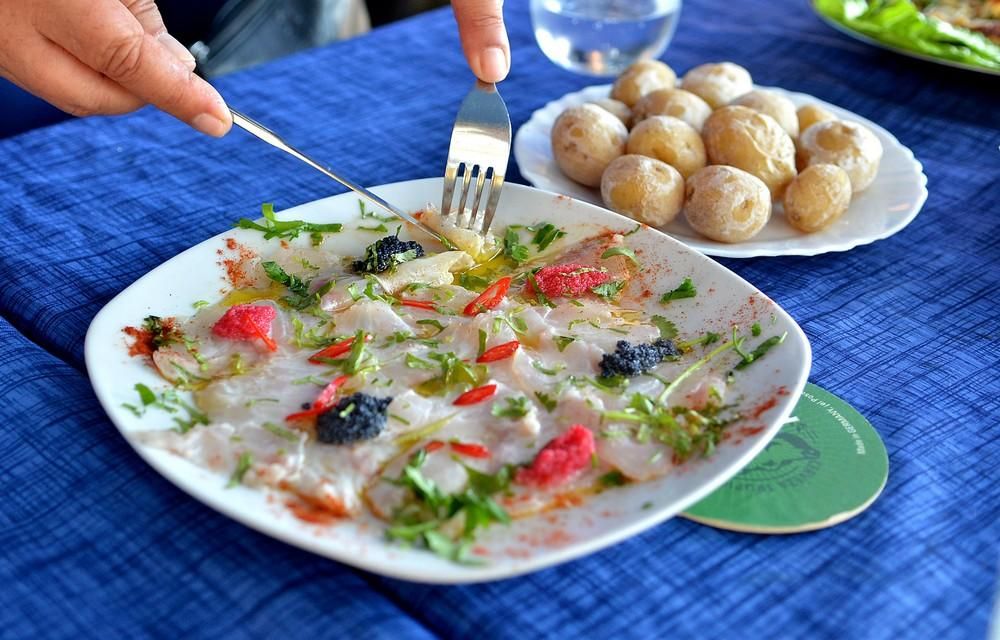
603, 37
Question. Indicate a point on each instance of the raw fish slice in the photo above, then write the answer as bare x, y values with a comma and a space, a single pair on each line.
433, 270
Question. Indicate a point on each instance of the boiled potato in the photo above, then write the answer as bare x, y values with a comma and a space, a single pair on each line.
775, 105
752, 141
669, 140
641, 78
618, 109
811, 114
585, 140
718, 83
817, 196
849, 145
727, 204
672, 102
644, 189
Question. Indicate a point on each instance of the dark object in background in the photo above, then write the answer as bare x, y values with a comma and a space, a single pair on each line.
383, 12
248, 32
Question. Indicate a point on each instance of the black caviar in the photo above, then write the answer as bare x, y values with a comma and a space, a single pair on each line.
632, 359
386, 253
354, 418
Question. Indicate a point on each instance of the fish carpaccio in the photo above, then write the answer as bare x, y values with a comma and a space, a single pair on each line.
448, 392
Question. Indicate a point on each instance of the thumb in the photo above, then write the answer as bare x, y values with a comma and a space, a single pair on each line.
484, 38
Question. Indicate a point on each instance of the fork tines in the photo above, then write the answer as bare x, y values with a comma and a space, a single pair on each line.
471, 217
480, 149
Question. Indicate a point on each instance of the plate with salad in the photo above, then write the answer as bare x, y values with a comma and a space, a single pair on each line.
333, 379
957, 33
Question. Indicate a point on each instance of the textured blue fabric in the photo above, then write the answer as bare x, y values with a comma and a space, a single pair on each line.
94, 544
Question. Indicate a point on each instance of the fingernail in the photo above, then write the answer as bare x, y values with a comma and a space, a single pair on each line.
493, 65
209, 124
174, 46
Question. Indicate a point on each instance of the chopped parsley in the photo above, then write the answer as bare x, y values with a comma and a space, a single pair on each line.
547, 401
621, 251
512, 247
455, 374
281, 432
685, 290
609, 290
433, 323
668, 330
379, 228
198, 304
162, 333
545, 234
516, 408
562, 342
758, 353
612, 479
287, 229
242, 466
423, 517
547, 371
472, 282
170, 402
299, 297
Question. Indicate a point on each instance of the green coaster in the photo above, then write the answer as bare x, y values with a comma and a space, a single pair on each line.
820, 470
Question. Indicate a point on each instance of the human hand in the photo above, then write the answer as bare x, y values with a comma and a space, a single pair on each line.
484, 38
105, 57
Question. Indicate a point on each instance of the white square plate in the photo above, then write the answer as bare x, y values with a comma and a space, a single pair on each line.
526, 545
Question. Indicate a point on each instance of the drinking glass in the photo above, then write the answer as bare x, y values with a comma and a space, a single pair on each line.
603, 37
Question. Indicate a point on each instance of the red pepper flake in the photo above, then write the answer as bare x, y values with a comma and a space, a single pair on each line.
563, 458
764, 406
470, 450
317, 510
247, 322
499, 352
142, 339
568, 280
427, 305
474, 396
237, 267
323, 401
335, 350
490, 298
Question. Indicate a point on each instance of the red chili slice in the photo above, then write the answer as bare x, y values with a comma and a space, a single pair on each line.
473, 396
470, 450
499, 352
490, 298
433, 446
418, 304
323, 401
335, 350
254, 328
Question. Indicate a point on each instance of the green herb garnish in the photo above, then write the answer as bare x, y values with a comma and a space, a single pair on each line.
512, 247
762, 348
685, 290
668, 330
545, 234
281, 432
242, 466
516, 408
562, 342
621, 251
609, 290
547, 401
287, 229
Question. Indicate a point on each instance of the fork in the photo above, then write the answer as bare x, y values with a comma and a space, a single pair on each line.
480, 146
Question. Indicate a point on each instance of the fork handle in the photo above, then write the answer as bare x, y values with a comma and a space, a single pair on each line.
260, 131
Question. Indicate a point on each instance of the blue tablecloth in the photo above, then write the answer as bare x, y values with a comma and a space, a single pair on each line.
93, 543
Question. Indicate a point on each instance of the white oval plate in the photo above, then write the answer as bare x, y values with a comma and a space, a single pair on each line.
528, 544
888, 205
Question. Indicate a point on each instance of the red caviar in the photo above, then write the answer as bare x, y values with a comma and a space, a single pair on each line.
561, 459
247, 322
568, 280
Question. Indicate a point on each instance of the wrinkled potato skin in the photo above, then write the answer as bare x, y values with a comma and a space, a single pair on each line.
849, 145
777, 106
618, 109
718, 83
817, 197
585, 140
811, 114
752, 141
641, 78
727, 204
669, 140
677, 103
643, 189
